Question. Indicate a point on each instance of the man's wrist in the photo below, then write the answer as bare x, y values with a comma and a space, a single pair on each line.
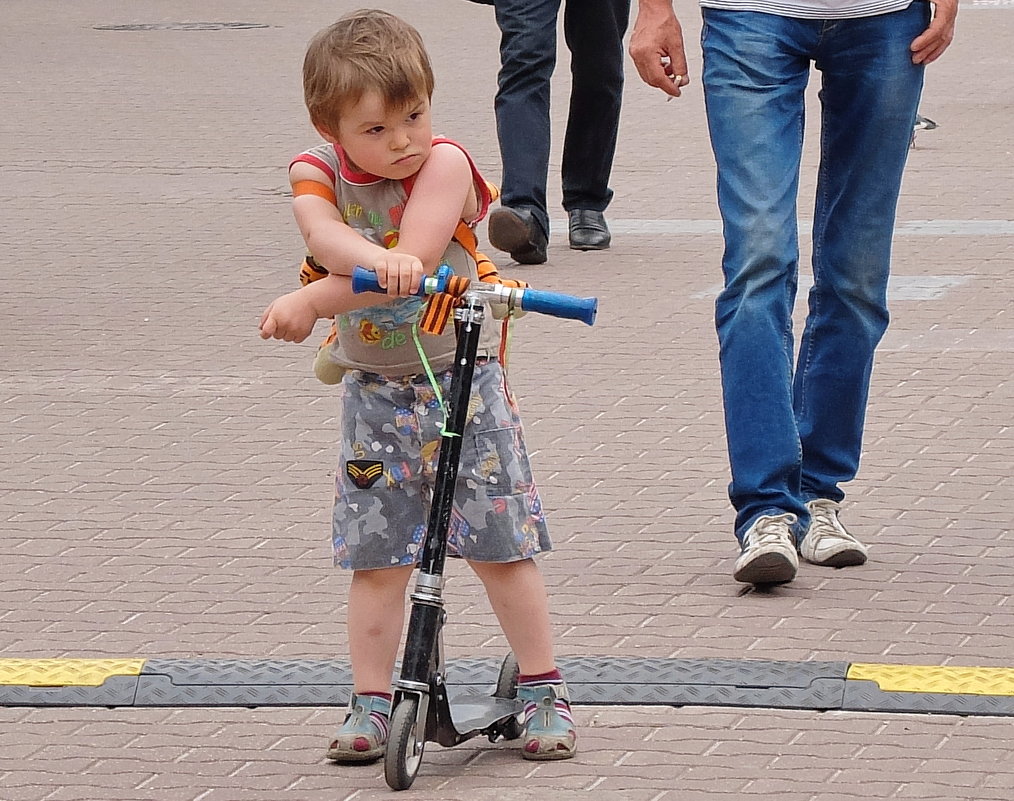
656, 5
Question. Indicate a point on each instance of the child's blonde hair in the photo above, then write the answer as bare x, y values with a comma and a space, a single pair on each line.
366, 50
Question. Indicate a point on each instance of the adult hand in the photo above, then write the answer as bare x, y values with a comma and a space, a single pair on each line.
656, 46
928, 46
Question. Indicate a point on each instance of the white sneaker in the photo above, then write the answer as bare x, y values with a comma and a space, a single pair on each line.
769, 552
827, 543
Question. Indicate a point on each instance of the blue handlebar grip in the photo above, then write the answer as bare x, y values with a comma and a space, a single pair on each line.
364, 280
559, 305
441, 277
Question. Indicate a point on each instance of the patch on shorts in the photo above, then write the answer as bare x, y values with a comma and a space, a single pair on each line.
364, 472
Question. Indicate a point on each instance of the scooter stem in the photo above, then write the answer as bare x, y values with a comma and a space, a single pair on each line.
423, 645
468, 318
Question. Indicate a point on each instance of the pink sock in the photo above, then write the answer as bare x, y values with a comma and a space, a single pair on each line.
552, 677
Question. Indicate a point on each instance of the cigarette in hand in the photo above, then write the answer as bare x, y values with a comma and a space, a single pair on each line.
676, 79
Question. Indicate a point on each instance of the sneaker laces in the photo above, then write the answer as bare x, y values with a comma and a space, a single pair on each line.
824, 519
770, 530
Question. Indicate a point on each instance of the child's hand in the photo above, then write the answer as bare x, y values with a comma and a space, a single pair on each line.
290, 317
399, 273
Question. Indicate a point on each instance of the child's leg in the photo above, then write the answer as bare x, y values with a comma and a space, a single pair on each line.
518, 597
375, 618
376, 615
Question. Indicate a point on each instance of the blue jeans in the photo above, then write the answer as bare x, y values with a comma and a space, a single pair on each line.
593, 30
796, 434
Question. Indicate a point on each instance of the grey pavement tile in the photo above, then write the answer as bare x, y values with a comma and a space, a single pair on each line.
166, 474
625, 752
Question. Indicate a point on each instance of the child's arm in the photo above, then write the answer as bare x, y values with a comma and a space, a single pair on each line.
443, 195
339, 248
292, 316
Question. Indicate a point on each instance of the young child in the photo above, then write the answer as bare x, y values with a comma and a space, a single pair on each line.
384, 194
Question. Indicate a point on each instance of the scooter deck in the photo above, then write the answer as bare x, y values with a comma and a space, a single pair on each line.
470, 713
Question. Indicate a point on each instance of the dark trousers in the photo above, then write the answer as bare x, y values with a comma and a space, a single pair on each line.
593, 31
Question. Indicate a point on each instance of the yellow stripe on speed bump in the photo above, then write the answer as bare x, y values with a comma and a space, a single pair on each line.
66, 672
943, 680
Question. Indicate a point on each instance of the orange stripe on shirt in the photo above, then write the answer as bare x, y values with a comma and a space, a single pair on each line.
314, 188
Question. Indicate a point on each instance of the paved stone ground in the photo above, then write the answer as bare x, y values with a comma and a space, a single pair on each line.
166, 474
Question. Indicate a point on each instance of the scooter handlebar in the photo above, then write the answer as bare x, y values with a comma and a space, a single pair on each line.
557, 304
364, 280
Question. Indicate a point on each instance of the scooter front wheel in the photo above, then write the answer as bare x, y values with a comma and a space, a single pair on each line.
405, 745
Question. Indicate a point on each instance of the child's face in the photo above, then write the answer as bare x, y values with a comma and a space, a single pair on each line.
391, 143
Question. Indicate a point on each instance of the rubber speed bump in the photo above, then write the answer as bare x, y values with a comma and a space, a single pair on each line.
239, 682
596, 680
630, 681
924, 688
64, 672
705, 682
69, 682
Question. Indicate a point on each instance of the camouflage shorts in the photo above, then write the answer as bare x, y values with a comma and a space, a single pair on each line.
387, 472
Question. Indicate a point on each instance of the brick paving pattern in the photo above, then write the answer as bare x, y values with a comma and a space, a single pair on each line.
166, 474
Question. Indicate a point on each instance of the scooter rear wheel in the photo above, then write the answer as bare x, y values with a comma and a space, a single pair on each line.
507, 687
507, 681
405, 745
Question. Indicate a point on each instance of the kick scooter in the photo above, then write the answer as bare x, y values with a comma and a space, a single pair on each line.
421, 710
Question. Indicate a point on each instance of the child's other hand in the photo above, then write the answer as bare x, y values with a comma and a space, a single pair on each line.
289, 317
399, 273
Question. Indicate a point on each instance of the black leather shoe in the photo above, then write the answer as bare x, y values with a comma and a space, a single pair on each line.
588, 230
516, 231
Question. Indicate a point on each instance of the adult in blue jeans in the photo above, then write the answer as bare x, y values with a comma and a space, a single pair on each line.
593, 31
794, 422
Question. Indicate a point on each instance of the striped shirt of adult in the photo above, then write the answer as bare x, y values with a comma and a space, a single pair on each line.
813, 9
